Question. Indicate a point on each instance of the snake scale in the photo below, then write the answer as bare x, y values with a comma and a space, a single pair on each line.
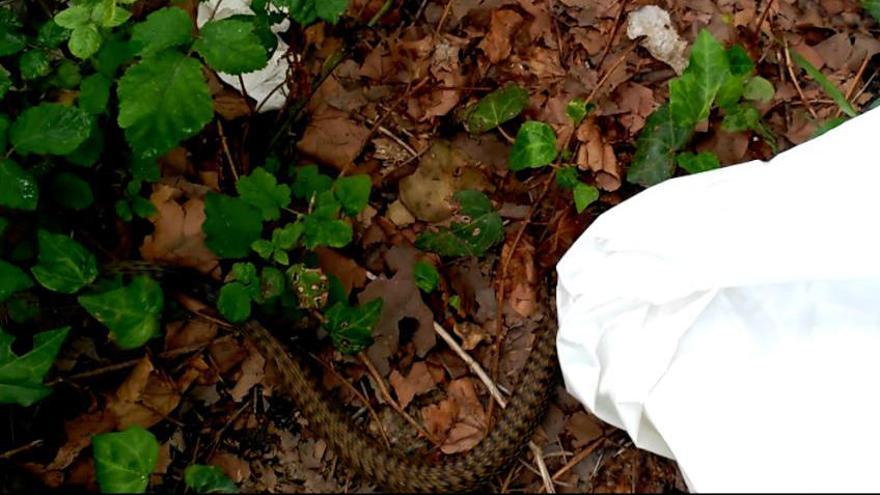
391, 470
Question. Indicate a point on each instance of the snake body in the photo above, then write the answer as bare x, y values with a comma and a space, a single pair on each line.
389, 469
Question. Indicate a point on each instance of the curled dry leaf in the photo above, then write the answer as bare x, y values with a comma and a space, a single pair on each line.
638, 103
503, 24
177, 236
522, 278
352, 275
470, 424
598, 156
333, 138
147, 396
418, 381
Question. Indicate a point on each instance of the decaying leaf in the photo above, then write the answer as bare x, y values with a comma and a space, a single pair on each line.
333, 138
598, 156
496, 44
418, 381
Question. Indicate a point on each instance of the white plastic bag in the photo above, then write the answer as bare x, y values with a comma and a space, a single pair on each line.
731, 319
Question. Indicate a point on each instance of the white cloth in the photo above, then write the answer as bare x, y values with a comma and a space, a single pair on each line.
731, 319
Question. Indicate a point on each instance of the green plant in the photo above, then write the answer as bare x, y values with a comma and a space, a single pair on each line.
715, 78
125, 460
208, 479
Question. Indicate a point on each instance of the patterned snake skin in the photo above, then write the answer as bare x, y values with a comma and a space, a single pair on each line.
385, 467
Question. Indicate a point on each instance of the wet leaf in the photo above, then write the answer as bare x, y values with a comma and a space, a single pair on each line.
125, 460
163, 29
63, 265
480, 229
353, 193
231, 46
656, 147
21, 377
497, 108
261, 190
231, 225
131, 312
18, 188
50, 129
535, 146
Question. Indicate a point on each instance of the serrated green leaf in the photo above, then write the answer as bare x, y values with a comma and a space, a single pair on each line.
131, 312
234, 302
21, 377
230, 226
321, 231
351, 328
353, 192
74, 16
286, 237
85, 41
759, 89
163, 100
18, 188
535, 146
231, 46
50, 129
70, 191
696, 163
261, 190
34, 64
302, 11
51, 35
584, 196
11, 39
497, 108
263, 248
67, 75
208, 479
426, 276
828, 86
114, 53
12, 279
163, 29
567, 177
309, 182
741, 118
94, 93
90, 150
480, 229
63, 265
310, 285
125, 460
661, 138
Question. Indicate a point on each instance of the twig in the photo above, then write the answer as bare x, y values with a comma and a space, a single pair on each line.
763, 17
472, 364
443, 18
542, 467
381, 13
357, 394
589, 449
383, 389
797, 85
613, 32
18, 450
852, 85
226, 150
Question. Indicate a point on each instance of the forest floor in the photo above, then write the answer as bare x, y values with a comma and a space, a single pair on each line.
392, 108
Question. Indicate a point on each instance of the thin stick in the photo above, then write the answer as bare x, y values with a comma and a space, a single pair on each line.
443, 18
589, 449
383, 389
852, 85
797, 85
18, 450
357, 394
763, 17
472, 364
226, 150
613, 32
542, 467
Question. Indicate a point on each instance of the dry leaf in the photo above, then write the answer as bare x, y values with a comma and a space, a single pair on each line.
471, 423
496, 44
352, 275
522, 278
418, 381
333, 138
598, 156
250, 374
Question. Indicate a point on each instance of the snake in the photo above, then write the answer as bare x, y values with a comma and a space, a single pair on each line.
390, 469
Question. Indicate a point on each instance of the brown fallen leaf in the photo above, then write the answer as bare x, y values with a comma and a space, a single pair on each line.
236, 468
251, 373
418, 381
231, 104
352, 275
333, 138
188, 333
470, 426
177, 236
522, 278
598, 156
496, 44
146, 397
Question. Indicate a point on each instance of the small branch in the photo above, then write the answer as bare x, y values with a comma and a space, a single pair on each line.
853, 84
9, 454
226, 151
381, 13
614, 32
763, 17
589, 449
797, 84
542, 467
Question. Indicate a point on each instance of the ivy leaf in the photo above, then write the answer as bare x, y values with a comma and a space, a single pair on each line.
125, 460
70, 191
12, 279
741, 118
567, 178
234, 302
12, 40
691, 95
351, 328
480, 229
739, 61
535, 146
163, 100
310, 181
131, 312
231, 225
828, 86
18, 188
63, 265
496, 108
50, 129
578, 109
207, 479
163, 29
584, 196
85, 41
261, 189
426, 276
310, 285
231, 46
94, 93
34, 64
696, 163
353, 193
661, 138
21, 377
759, 89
